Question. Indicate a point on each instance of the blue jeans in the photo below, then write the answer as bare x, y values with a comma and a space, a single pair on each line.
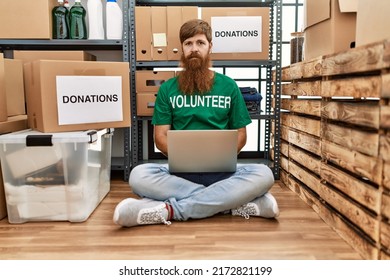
196, 200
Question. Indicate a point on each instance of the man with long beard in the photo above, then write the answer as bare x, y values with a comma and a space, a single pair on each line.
166, 196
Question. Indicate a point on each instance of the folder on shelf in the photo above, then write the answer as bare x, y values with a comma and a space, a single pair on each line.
143, 33
176, 16
159, 33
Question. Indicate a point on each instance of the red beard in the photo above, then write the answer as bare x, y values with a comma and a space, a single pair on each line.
196, 76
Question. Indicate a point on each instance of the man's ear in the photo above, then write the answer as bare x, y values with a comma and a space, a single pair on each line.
211, 46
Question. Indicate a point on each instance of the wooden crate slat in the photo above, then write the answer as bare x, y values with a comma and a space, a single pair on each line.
286, 75
385, 236
386, 205
384, 256
296, 71
308, 197
305, 141
384, 146
353, 87
386, 175
350, 210
284, 148
285, 104
385, 86
284, 131
312, 68
363, 220
284, 163
302, 89
306, 106
356, 113
283, 176
365, 248
361, 59
360, 191
284, 118
305, 69
385, 117
308, 125
354, 139
359, 164
300, 156
305, 177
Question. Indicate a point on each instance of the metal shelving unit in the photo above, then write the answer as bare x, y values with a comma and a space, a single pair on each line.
207, 3
61, 44
7, 47
271, 115
132, 136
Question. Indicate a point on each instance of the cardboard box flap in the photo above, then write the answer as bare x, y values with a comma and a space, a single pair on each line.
348, 6
315, 11
3, 98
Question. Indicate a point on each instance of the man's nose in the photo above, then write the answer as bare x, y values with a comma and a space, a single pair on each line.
194, 48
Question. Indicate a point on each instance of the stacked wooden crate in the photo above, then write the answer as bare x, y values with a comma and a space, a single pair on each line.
335, 142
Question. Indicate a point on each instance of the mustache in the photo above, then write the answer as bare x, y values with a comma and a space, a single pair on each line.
194, 55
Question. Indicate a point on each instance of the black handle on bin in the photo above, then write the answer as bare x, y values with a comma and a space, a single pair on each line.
39, 140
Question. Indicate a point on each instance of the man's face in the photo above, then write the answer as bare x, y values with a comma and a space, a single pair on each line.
196, 46
195, 59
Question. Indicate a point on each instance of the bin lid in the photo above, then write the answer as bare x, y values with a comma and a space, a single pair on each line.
36, 138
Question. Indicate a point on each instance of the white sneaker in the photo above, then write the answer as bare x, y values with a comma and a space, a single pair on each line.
132, 212
264, 206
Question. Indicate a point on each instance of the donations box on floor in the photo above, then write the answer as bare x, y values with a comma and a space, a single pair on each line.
55, 177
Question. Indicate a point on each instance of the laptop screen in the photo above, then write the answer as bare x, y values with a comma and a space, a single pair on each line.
202, 150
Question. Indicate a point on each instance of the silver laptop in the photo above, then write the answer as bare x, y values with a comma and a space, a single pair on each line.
202, 150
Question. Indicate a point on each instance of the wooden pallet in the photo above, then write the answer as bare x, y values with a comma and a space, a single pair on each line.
335, 142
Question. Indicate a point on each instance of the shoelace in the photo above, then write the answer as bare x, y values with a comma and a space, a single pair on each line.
163, 219
154, 217
241, 212
245, 211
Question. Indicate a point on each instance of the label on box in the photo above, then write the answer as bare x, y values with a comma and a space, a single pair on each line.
89, 99
159, 39
239, 34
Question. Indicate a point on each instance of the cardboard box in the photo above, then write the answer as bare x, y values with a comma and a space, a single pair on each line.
14, 87
176, 16
159, 33
143, 33
372, 21
66, 184
145, 103
233, 39
3, 96
29, 56
329, 26
15, 123
3, 205
77, 95
150, 81
25, 19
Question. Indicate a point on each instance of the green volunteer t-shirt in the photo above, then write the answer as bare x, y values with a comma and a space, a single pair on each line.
221, 108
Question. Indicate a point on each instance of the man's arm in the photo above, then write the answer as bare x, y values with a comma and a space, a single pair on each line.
241, 138
161, 136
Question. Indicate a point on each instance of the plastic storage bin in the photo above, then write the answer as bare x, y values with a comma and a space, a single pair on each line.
55, 177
